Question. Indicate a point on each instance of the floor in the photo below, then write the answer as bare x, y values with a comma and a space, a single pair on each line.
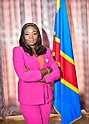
54, 119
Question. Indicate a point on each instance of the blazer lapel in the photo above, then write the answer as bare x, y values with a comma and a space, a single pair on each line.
31, 61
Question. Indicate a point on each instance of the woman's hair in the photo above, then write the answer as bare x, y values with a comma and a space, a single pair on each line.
39, 48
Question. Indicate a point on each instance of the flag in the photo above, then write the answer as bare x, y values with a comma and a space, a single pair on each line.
66, 94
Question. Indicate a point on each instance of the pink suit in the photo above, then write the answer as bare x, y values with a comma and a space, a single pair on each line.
30, 91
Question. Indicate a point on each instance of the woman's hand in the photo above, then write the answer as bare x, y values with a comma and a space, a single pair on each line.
42, 80
46, 71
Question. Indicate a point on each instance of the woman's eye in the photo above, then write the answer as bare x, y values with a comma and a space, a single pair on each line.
35, 33
26, 34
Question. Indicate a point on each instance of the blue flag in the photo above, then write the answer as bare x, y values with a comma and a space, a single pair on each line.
66, 94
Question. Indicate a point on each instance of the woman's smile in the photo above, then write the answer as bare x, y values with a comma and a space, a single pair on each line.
31, 41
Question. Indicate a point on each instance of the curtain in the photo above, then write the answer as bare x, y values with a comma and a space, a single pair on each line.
79, 24
15, 13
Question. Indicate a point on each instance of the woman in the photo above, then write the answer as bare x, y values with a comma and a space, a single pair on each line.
35, 68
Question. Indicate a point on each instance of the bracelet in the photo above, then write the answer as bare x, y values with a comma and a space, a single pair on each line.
48, 70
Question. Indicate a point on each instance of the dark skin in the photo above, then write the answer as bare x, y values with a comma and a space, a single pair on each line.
43, 72
31, 34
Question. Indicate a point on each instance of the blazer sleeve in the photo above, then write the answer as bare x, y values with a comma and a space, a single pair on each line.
55, 74
19, 66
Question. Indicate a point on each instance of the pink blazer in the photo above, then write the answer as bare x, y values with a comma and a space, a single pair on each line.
30, 91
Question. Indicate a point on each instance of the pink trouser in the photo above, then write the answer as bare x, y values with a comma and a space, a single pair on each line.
36, 114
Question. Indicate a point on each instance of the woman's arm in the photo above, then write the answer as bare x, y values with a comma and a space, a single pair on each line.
55, 74
44, 72
21, 71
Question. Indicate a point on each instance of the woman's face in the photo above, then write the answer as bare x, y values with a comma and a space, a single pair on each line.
30, 36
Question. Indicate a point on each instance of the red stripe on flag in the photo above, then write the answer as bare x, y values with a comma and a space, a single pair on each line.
68, 72
56, 50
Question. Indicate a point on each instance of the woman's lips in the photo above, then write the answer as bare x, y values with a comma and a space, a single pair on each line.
31, 41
